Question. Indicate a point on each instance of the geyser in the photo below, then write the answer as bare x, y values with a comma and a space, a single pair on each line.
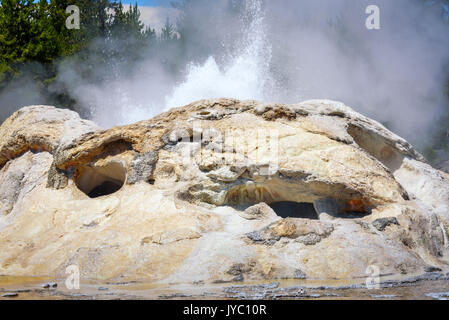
246, 75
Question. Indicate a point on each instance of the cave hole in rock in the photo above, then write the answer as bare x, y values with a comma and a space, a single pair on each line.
288, 202
346, 209
289, 209
100, 181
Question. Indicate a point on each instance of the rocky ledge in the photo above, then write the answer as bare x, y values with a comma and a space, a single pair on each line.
219, 190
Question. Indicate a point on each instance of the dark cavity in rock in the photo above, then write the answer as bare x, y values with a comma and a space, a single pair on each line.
287, 209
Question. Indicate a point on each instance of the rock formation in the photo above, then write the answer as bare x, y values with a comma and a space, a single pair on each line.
219, 190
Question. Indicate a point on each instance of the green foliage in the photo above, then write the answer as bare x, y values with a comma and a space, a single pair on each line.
430, 154
34, 39
32, 32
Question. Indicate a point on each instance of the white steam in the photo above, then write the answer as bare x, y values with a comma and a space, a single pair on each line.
245, 76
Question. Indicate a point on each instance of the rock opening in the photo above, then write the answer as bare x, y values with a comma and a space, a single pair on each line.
100, 181
107, 187
288, 209
351, 209
296, 201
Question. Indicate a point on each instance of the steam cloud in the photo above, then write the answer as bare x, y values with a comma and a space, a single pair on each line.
289, 51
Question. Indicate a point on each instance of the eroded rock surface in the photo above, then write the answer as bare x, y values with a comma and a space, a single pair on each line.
219, 190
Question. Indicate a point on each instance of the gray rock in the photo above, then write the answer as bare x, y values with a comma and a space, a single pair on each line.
383, 296
175, 295
438, 295
262, 238
299, 274
432, 269
10, 295
236, 269
57, 178
256, 236
309, 239
50, 285
142, 168
382, 223
238, 278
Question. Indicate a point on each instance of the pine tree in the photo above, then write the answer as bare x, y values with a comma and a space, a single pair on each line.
168, 32
15, 24
28, 34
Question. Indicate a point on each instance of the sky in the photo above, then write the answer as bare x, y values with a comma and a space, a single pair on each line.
151, 3
154, 13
